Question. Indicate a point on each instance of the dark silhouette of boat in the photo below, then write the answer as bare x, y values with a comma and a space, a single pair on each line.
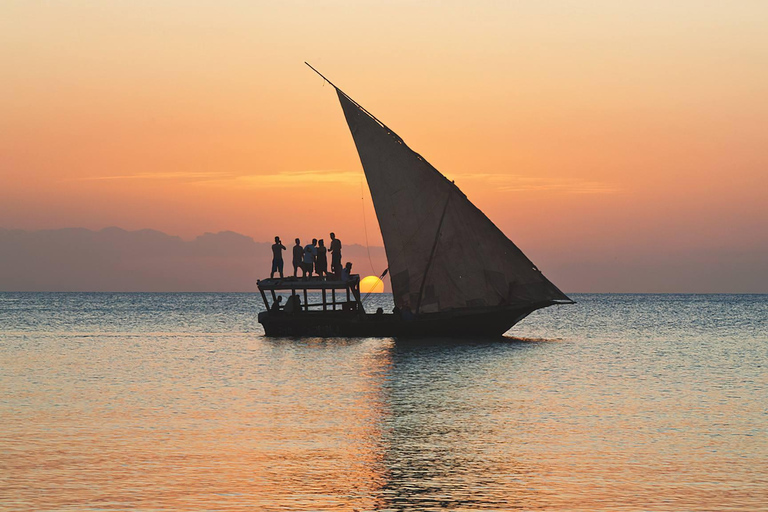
453, 272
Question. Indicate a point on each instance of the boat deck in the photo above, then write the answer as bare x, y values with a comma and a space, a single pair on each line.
308, 283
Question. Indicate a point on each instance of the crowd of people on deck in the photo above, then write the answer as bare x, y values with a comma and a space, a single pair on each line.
312, 259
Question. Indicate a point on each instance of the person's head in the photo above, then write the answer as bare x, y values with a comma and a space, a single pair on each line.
298, 242
314, 241
277, 239
348, 266
333, 235
321, 243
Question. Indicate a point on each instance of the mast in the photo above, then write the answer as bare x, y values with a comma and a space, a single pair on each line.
444, 253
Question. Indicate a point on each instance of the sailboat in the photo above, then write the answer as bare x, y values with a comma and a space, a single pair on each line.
452, 271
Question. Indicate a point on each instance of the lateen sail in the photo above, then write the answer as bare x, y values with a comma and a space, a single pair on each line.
444, 253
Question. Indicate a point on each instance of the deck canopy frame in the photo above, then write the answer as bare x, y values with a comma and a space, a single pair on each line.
302, 286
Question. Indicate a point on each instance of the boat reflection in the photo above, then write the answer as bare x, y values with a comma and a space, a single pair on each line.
444, 435
419, 425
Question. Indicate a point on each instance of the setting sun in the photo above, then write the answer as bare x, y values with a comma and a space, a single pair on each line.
371, 284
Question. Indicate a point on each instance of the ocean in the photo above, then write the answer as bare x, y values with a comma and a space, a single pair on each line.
155, 402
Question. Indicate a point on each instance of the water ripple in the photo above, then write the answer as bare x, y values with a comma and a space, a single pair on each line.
177, 402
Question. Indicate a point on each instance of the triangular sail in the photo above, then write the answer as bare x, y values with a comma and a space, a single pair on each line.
443, 252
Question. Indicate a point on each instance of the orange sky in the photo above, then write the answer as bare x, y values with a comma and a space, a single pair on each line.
577, 126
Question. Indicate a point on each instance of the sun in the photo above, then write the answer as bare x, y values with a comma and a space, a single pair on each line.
371, 284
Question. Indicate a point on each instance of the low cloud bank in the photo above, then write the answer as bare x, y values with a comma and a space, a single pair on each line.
114, 259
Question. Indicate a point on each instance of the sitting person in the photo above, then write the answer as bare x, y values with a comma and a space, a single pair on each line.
347, 272
293, 304
404, 312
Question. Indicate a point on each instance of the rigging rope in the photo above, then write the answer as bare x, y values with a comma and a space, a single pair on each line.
367, 246
381, 277
365, 226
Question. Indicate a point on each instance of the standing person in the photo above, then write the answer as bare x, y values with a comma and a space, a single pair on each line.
321, 262
277, 258
298, 256
335, 255
310, 251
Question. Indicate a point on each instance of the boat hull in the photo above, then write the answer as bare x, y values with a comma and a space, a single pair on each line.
470, 323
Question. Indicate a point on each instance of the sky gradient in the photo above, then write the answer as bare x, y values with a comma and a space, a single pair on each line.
588, 130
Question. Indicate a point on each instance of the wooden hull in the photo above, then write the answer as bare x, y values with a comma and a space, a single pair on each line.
469, 323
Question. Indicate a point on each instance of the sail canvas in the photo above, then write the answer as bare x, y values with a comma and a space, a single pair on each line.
444, 253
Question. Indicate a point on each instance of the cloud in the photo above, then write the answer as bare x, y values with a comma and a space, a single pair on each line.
229, 179
182, 176
297, 179
289, 179
519, 183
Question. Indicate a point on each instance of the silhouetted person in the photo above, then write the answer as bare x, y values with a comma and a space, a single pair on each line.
298, 257
347, 272
277, 258
310, 251
276, 305
335, 249
321, 262
292, 305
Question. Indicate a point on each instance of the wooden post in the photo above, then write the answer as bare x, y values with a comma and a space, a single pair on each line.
333, 296
356, 292
324, 306
306, 301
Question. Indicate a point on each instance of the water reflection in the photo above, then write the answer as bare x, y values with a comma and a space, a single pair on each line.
445, 437
325, 407
134, 409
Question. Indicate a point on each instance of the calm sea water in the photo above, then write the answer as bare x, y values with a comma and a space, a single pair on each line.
178, 402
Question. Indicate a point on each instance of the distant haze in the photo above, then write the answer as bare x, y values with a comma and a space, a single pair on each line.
113, 259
